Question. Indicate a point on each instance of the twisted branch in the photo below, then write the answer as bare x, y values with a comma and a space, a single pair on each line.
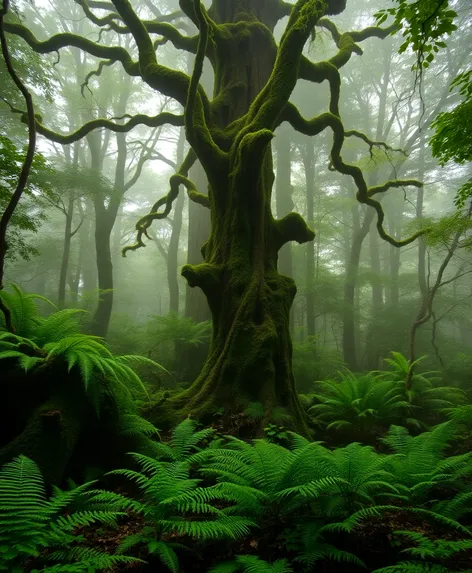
364, 194
159, 25
102, 123
180, 178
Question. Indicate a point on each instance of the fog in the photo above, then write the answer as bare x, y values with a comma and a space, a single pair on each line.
170, 235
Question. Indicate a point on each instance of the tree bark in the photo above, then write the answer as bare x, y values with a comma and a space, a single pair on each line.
309, 166
173, 250
61, 295
251, 352
105, 217
419, 214
283, 192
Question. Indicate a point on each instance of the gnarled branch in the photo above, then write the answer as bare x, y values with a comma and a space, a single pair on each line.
102, 123
167, 201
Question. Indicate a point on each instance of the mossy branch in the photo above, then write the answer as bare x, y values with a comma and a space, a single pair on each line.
95, 73
292, 227
159, 26
272, 99
68, 40
139, 119
196, 127
347, 43
250, 155
393, 184
364, 194
206, 276
102, 123
180, 178
355, 35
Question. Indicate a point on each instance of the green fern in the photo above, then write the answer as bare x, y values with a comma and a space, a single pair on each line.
184, 443
357, 403
435, 554
30, 523
251, 564
56, 339
425, 394
23, 309
413, 567
419, 463
169, 494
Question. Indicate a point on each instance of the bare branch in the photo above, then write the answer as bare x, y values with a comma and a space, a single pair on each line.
166, 202
372, 144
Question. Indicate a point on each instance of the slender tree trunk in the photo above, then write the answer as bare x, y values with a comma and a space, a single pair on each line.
173, 251
360, 233
372, 349
352, 273
394, 216
309, 165
87, 246
105, 217
419, 214
61, 295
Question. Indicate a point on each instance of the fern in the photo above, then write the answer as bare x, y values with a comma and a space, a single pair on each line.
434, 553
251, 564
29, 522
168, 494
57, 340
419, 462
425, 395
185, 442
357, 403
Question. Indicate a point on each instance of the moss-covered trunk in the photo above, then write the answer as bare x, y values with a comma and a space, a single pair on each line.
250, 357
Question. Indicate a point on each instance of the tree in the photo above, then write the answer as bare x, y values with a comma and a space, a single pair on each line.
250, 354
19, 189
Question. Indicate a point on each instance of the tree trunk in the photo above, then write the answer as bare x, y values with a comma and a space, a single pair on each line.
173, 251
419, 214
283, 192
61, 295
352, 273
251, 351
250, 357
372, 349
196, 305
89, 265
309, 166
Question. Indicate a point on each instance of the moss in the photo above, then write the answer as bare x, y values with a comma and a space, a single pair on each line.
49, 437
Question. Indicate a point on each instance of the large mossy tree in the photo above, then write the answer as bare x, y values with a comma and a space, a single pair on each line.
230, 134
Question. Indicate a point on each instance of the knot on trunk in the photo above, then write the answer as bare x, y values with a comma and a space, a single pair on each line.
292, 227
205, 275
